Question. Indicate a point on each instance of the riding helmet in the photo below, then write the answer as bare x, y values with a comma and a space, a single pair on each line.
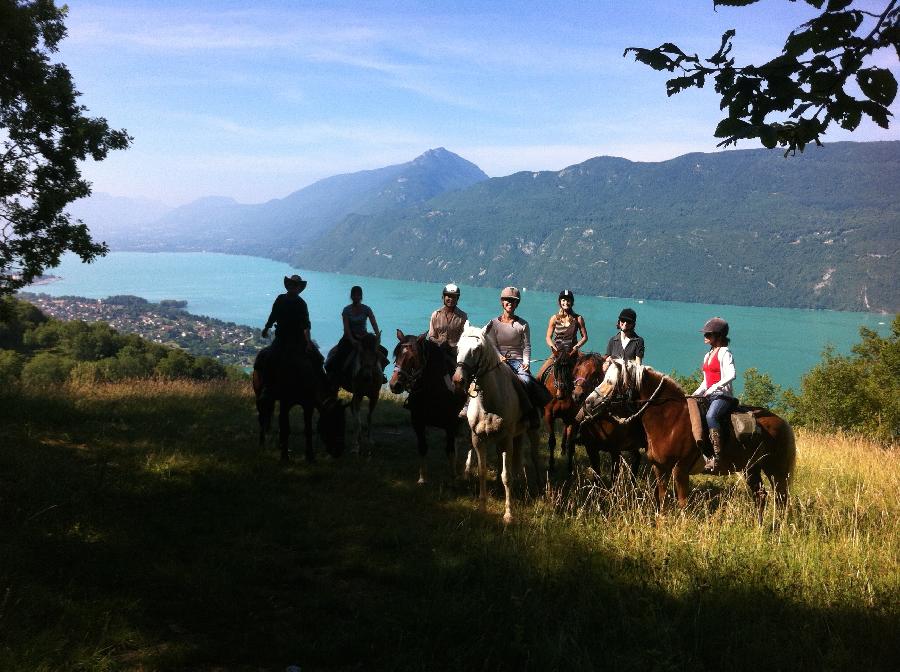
628, 315
715, 325
450, 290
511, 293
567, 294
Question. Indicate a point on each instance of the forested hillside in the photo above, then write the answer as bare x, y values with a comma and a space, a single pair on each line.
821, 229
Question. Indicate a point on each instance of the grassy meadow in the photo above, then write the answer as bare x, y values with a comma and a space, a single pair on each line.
142, 529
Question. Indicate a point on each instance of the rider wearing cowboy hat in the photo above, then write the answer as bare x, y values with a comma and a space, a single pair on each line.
291, 317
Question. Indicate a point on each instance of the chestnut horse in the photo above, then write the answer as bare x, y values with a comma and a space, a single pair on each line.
601, 432
421, 369
279, 377
495, 414
561, 407
671, 449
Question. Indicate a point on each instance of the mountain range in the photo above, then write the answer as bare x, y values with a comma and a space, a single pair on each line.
820, 229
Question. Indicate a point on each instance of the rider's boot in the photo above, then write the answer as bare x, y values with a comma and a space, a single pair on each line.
712, 463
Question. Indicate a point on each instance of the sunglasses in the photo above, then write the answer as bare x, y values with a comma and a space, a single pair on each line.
708, 335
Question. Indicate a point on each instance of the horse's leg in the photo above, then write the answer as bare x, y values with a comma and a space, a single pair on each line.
450, 448
551, 438
479, 448
635, 464
284, 429
533, 442
682, 474
422, 446
506, 456
355, 403
662, 487
757, 491
308, 432
568, 445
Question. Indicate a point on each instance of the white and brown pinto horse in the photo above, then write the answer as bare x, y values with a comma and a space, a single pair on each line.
495, 414
660, 405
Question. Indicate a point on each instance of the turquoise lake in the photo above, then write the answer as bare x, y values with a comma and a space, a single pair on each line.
782, 342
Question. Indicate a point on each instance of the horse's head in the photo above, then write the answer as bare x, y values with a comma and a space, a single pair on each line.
474, 356
586, 375
331, 425
409, 362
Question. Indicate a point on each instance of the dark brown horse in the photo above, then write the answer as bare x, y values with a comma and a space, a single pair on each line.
365, 380
294, 381
601, 432
561, 407
661, 408
421, 369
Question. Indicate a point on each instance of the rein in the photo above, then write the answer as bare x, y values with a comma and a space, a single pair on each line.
640, 411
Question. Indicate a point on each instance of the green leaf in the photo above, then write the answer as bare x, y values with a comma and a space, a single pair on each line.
721, 56
729, 126
679, 84
768, 135
878, 113
836, 5
878, 84
733, 3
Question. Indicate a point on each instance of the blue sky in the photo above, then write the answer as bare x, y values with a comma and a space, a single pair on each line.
255, 100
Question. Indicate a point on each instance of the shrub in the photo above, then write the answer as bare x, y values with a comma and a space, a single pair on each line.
46, 369
11, 364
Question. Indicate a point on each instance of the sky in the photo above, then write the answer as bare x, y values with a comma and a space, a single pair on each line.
257, 99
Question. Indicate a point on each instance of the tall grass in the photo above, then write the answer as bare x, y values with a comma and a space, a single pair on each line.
141, 528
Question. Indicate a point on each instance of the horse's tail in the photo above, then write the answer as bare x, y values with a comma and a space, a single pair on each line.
488, 423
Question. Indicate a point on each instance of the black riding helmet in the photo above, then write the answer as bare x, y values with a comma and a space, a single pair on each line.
628, 315
566, 294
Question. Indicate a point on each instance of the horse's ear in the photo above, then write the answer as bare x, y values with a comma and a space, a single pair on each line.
487, 328
400, 335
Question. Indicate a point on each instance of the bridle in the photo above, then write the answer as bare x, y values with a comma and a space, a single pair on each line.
479, 369
623, 389
411, 379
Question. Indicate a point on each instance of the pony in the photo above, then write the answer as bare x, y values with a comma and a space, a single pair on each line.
420, 368
561, 407
365, 381
603, 433
661, 408
278, 377
495, 414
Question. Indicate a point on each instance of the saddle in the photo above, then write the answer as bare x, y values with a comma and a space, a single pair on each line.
744, 429
274, 363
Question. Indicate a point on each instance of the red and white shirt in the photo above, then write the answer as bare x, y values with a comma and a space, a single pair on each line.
718, 373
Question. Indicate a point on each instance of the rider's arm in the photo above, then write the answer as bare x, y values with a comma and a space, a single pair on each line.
639, 350
374, 322
549, 337
526, 346
584, 336
347, 333
432, 332
272, 318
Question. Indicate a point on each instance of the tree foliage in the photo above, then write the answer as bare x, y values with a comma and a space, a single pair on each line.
811, 81
859, 392
45, 133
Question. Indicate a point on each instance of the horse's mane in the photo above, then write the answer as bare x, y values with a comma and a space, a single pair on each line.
639, 370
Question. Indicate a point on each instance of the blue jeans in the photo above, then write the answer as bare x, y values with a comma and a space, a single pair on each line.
719, 406
516, 366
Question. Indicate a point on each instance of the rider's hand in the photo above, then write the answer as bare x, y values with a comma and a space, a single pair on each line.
265, 332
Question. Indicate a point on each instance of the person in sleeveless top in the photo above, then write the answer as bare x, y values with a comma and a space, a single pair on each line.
626, 344
566, 334
512, 337
354, 316
718, 375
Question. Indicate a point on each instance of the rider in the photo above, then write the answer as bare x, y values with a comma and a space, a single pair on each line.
562, 337
718, 374
446, 324
511, 335
354, 316
626, 344
290, 314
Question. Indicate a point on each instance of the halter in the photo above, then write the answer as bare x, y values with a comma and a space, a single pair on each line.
473, 372
622, 383
410, 380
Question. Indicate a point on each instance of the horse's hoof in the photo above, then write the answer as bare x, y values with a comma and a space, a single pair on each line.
421, 481
507, 518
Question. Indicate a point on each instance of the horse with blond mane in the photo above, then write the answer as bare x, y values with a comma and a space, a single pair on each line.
495, 414
659, 404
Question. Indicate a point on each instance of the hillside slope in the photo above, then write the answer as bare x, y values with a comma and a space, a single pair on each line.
821, 229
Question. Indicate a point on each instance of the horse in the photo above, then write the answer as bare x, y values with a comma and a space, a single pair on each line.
603, 433
277, 376
672, 450
420, 368
365, 380
561, 407
496, 414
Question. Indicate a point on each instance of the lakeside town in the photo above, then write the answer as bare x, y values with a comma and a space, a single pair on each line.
166, 322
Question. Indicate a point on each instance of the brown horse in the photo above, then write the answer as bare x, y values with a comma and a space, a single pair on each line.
421, 369
290, 381
365, 381
561, 407
661, 408
601, 432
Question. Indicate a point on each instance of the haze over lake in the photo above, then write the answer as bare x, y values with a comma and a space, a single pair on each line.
779, 341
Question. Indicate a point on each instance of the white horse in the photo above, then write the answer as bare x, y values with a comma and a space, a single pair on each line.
495, 414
